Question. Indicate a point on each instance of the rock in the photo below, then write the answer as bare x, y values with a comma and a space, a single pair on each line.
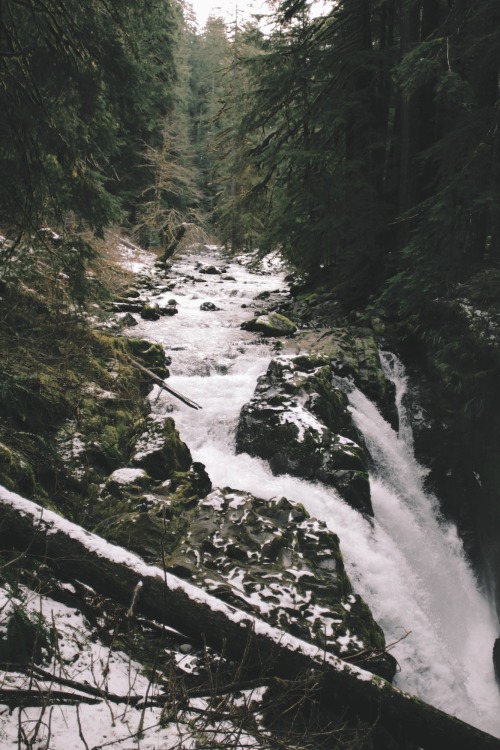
148, 516
128, 321
160, 451
270, 324
169, 310
269, 558
151, 312
149, 355
209, 306
211, 270
299, 421
353, 353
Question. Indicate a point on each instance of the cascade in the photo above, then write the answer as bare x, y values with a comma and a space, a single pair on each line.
407, 563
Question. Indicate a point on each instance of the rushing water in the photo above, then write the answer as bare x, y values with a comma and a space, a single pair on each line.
408, 564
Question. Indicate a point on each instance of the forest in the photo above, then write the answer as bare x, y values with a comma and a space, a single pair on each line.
363, 143
361, 146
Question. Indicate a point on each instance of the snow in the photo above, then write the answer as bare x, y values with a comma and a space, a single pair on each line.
127, 475
54, 523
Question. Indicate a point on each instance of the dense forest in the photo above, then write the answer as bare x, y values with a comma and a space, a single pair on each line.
361, 144
364, 143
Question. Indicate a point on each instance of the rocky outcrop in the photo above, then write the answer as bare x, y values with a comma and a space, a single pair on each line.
298, 420
269, 558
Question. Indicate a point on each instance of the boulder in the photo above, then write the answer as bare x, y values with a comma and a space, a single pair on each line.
269, 558
149, 516
270, 324
298, 420
209, 306
151, 356
352, 353
160, 451
210, 270
150, 312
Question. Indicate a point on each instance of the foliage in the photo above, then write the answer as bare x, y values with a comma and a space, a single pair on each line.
83, 86
369, 144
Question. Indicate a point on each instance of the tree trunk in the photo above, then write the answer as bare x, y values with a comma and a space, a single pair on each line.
113, 571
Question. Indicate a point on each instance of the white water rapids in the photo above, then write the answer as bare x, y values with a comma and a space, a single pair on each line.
408, 565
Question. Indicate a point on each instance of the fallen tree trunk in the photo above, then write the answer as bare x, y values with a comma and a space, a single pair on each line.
115, 572
161, 383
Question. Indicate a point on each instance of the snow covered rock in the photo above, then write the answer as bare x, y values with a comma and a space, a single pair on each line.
298, 420
269, 558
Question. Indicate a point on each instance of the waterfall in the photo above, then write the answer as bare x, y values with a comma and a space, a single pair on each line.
407, 563
450, 658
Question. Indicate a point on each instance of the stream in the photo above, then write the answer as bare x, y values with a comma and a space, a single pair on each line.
408, 564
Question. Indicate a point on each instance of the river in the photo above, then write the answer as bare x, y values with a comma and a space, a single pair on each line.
408, 564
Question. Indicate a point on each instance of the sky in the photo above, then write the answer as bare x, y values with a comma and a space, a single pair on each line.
227, 9
245, 8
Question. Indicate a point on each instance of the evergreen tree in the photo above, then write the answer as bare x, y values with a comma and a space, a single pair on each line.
79, 84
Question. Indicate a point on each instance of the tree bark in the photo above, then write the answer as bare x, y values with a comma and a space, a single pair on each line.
113, 571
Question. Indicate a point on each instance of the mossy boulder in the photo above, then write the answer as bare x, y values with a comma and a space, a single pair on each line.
270, 324
148, 516
100, 439
298, 420
270, 558
352, 353
151, 356
159, 450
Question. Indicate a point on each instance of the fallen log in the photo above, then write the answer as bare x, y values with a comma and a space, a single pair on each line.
161, 383
119, 574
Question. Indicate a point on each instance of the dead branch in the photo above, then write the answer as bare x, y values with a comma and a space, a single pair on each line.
161, 383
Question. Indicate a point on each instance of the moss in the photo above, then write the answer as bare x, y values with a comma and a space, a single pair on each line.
150, 355
15, 472
160, 451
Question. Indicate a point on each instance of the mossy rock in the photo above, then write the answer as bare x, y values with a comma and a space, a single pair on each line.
353, 354
270, 324
160, 451
151, 356
149, 517
107, 430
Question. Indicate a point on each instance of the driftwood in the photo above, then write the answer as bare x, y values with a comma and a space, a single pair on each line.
161, 383
115, 572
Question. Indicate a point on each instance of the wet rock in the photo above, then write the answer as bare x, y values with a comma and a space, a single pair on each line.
210, 270
151, 312
148, 516
299, 421
209, 306
270, 558
496, 660
353, 354
168, 310
270, 324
